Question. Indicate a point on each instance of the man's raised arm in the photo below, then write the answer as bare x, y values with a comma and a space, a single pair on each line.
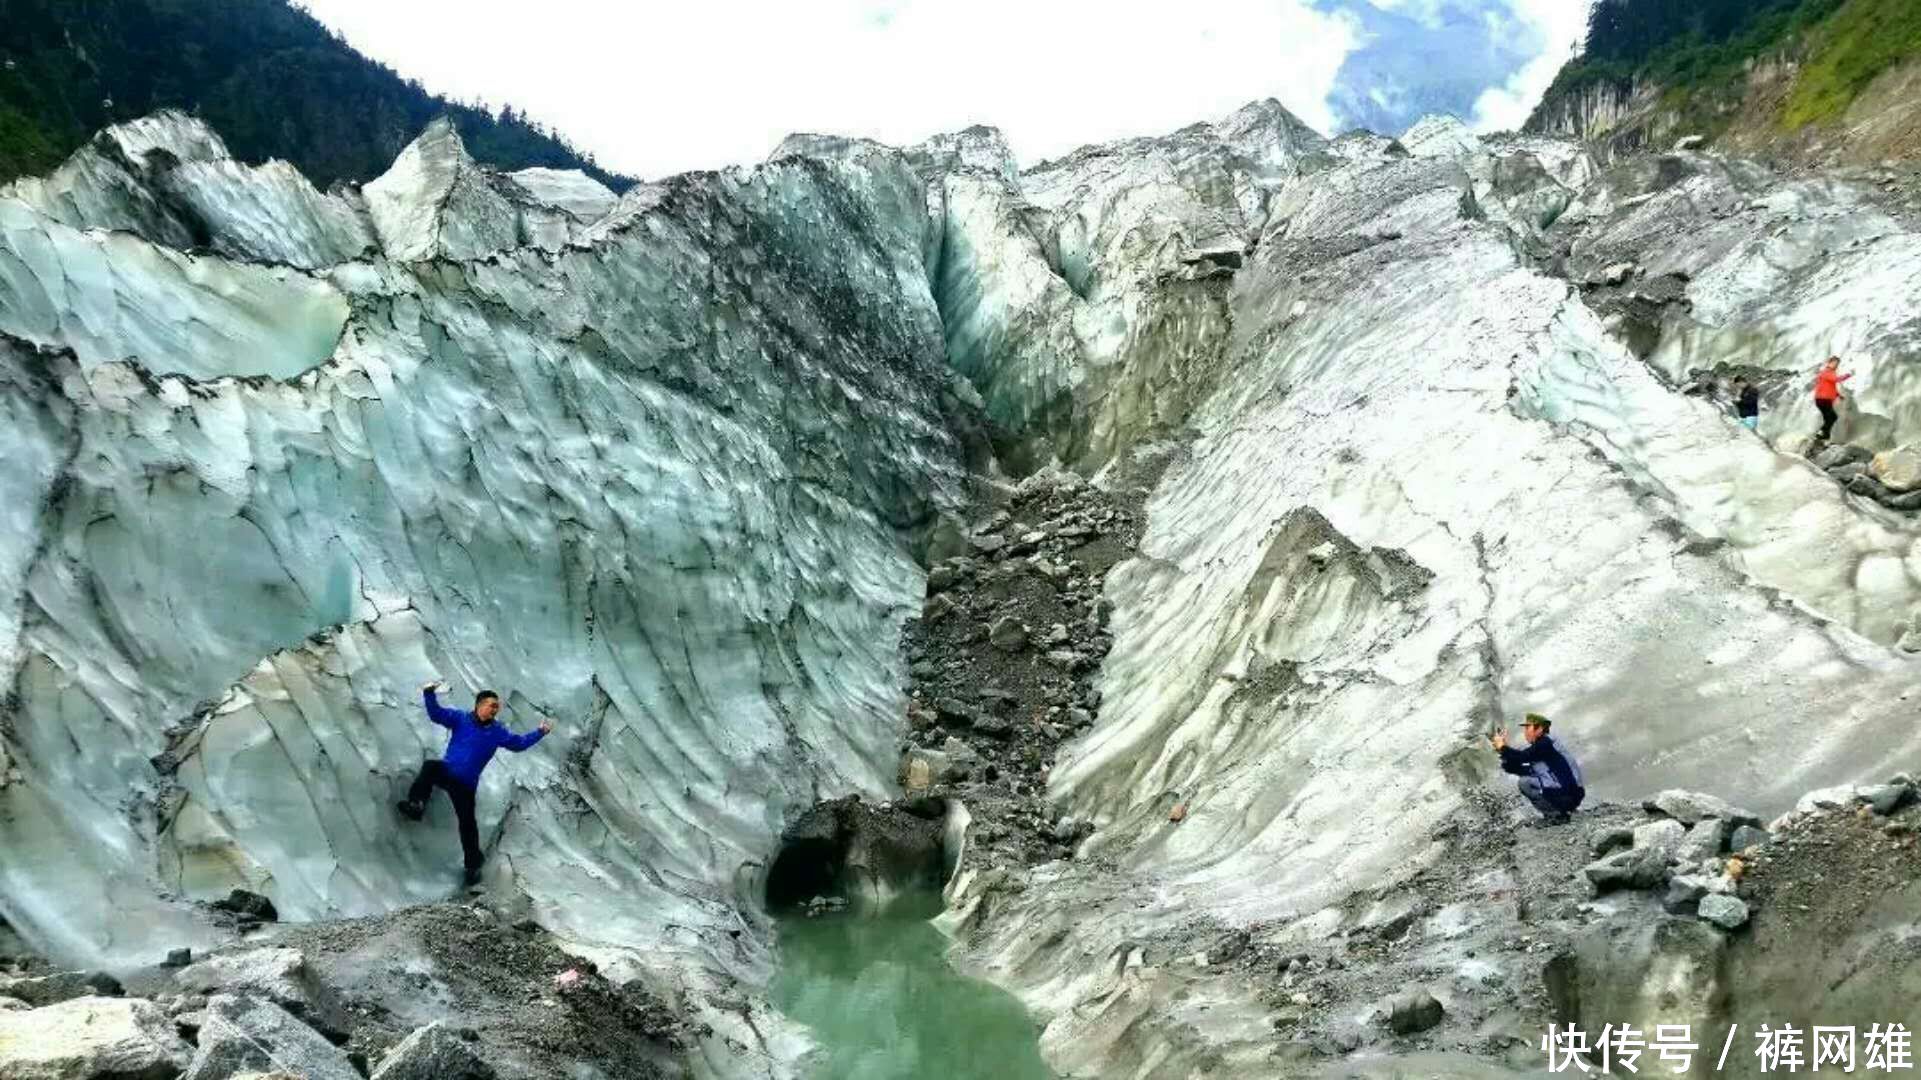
526, 741
438, 713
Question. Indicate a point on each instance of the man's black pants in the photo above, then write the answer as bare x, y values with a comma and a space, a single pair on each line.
1828, 417
434, 774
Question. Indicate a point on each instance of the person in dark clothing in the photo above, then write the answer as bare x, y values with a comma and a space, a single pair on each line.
1747, 404
475, 737
1550, 777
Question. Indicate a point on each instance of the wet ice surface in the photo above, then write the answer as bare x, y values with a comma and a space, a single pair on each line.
883, 1003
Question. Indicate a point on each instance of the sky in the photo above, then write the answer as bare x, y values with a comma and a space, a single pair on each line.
653, 88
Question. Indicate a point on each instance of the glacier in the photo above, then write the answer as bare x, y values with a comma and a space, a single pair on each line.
669, 467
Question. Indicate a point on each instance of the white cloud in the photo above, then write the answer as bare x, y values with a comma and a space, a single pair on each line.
1562, 24
655, 88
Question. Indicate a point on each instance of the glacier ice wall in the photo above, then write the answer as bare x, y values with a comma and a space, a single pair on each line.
663, 484
660, 465
1421, 485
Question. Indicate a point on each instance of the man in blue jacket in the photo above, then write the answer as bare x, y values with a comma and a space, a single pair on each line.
1550, 777
476, 735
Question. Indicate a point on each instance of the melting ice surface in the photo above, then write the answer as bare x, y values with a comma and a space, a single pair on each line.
884, 1004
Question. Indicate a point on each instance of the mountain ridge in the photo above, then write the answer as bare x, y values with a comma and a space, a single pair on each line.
273, 80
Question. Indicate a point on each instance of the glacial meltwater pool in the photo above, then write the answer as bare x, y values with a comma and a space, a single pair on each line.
884, 1004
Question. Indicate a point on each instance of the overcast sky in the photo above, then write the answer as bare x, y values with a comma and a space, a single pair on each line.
655, 88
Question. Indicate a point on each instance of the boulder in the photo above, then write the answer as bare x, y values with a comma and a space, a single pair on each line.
942, 578
435, 1052
1899, 470
248, 905
41, 990
8, 1004
1664, 835
1836, 456
1684, 893
91, 1038
1828, 798
1885, 799
1610, 839
1635, 868
248, 1034
177, 958
1690, 807
278, 974
1633, 970
1707, 839
1745, 837
1724, 911
1007, 634
1412, 1011
1618, 273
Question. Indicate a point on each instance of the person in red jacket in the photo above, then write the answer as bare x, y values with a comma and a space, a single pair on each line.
1827, 391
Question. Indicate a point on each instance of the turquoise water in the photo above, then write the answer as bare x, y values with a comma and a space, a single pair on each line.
884, 1004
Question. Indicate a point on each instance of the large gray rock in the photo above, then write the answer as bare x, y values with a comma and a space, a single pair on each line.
1726, 912
278, 974
1899, 469
1884, 799
91, 1038
1636, 868
61, 986
1707, 839
1664, 835
1746, 837
1631, 970
248, 1034
1415, 1010
1690, 807
1683, 894
435, 1052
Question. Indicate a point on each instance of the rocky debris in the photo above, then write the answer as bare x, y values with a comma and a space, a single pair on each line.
387, 976
1415, 1010
248, 906
177, 958
1880, 799
1899, 470
278, 974
249, 1034
91, 1038
1724, 911
41, 990
1707, 839
1635, 868
1690, 807
1663, 835
1891, 478
1746, 837
435, 1052
1003, 658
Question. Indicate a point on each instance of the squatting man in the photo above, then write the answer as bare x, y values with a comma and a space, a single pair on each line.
1550, 777
473, 738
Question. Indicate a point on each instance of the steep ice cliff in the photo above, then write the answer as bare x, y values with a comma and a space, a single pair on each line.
663, 485
668, 468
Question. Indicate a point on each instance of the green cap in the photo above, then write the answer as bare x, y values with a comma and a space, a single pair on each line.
1536, 718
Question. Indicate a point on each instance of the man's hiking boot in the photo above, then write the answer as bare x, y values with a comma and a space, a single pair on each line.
411, 810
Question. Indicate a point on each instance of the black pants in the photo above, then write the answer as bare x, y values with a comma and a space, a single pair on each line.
1828, 417
434, 774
